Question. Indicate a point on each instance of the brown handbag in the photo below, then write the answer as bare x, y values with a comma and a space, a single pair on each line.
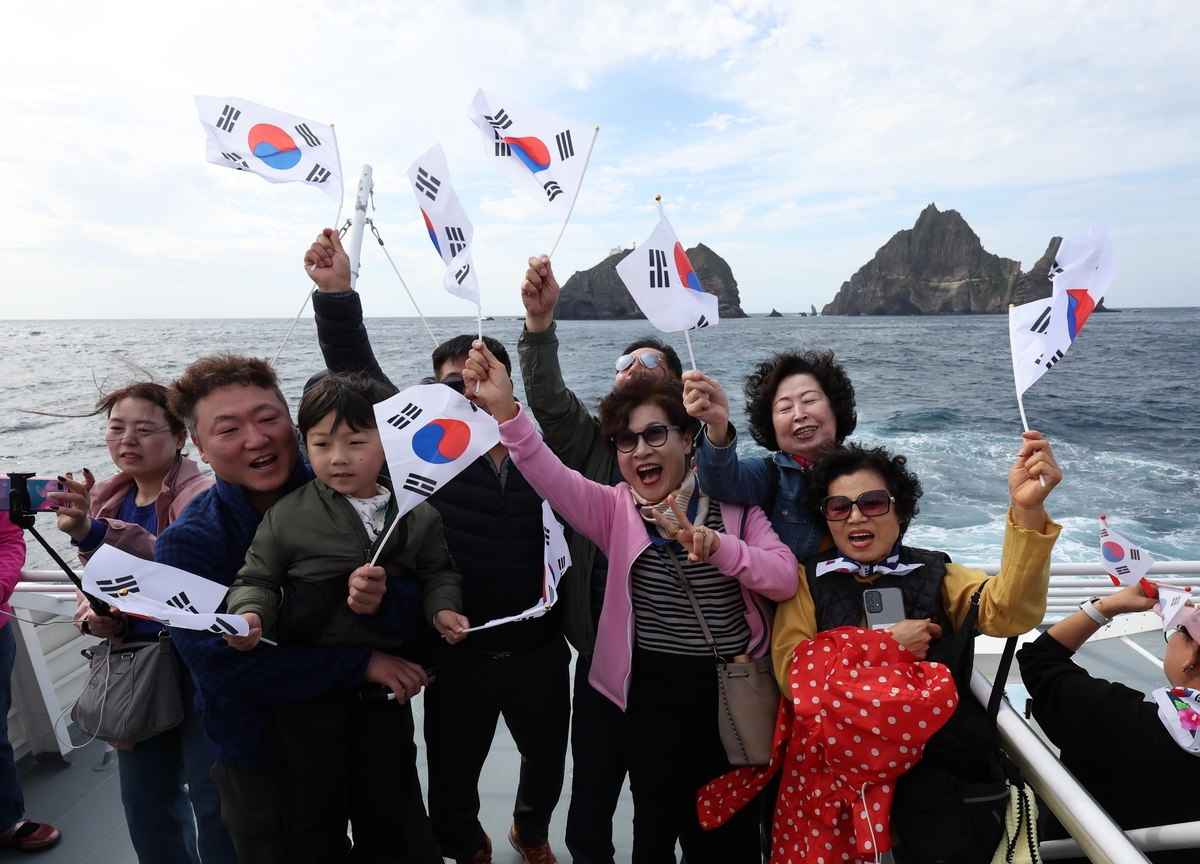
749, 695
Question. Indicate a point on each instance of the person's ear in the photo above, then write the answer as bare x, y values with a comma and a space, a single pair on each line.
200, 449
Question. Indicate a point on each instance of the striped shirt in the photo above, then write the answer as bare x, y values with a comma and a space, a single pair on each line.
663, 618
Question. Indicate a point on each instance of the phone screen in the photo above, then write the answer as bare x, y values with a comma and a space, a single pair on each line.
38, 487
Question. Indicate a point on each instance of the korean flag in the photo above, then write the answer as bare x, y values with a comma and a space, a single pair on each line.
278, 147
1126, 564
446, 221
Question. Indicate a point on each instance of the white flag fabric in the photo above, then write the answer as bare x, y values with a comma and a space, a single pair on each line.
446, 220
1126, 564
663, 283
429, 434
279, 147
1040, 332
556, 559
1171, 603
545, 154
167, 594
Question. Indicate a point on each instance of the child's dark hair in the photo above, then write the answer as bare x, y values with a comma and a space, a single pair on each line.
350, 396
902, 484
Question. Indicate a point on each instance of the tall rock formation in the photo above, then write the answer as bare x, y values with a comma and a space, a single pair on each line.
599, 293
939, 266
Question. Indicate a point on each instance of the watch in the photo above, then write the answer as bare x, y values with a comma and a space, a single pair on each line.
1089, 608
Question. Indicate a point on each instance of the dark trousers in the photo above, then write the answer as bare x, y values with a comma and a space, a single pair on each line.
598, 754
673, 748
532, 691
344, 758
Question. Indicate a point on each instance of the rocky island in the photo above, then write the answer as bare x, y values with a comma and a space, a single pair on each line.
939, 267
599, 293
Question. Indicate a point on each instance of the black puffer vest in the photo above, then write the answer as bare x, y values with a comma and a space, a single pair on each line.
961, 747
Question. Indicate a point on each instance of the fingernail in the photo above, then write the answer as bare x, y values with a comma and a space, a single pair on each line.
62, 479
55, 507
87, 470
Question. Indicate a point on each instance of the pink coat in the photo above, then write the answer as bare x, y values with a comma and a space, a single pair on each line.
609, 517
12, 559
182, 483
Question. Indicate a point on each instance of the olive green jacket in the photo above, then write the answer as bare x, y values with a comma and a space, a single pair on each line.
573, 435
314, 534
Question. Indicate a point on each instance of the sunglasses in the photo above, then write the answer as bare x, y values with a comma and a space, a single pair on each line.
836, 508
654, 435
650, 360
454, 381
1178, 628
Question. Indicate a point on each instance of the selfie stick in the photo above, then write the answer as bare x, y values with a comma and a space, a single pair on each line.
22, 514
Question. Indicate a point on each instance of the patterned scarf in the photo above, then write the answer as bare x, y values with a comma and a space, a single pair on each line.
1179, 711
842, 564
683, 498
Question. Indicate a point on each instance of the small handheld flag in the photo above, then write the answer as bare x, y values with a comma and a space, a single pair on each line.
279, 147
1125, 563
430, 433
446, 221
1172, 602
167, 594
556, 560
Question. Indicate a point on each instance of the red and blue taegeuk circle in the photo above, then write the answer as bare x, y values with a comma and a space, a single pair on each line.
1079, 306
686, 274
432, 233
1112, 551
442, 440
273, 146
531, 151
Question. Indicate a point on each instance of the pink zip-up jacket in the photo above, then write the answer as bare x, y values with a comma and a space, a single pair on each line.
609, 517
12, 559
182, 483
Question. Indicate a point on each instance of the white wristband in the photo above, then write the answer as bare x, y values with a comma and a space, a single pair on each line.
1089, 608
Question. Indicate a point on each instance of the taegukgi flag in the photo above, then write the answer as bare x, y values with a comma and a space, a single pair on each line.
446, 220
1040, 332
1126, 564
279, 147
430, 433
556, 560
1171, 603
662, 281
167, 594
543, 153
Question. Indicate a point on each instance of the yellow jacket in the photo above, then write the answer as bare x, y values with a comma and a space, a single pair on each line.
1013, 602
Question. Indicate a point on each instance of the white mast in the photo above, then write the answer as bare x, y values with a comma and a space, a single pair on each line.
354, 241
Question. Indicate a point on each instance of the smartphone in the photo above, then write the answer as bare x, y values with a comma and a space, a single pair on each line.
884, 607
38, 487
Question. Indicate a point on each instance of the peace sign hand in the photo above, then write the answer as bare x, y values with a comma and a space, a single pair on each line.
700, 542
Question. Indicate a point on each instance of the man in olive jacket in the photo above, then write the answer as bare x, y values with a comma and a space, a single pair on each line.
573, 434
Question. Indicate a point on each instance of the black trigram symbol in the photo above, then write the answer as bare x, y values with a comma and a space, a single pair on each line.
1058, 355
1042, 323
421, 485
114, 587
458, 240
565, 148
500, 121
1123, 571
408, 413
553, 190
502, 146
1135, 554
428, 184
223, 626
703, 322
317, 174
562, 563
228, 117
1103, 531
309, 138
238, 162
546, 534
181, 601
660, 277
461, 274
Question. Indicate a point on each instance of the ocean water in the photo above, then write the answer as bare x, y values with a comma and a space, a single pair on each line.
1122, 410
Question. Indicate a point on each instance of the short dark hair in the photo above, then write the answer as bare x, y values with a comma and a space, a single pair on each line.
460, 346
211, 373
658, 345
666, 393
349, 396
902, 484
764, 381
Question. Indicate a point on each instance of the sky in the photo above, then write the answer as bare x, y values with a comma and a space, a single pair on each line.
792, 138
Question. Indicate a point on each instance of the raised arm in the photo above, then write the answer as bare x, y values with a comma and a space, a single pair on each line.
722, 474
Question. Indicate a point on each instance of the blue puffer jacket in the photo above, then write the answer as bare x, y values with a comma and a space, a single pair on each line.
744, 481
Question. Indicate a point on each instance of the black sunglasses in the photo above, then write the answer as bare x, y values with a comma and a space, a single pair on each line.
454, 381
655, 435
837, 508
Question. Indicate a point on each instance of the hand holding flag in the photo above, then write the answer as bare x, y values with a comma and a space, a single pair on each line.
1172, 603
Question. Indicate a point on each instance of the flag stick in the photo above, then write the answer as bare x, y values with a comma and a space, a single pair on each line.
687, 334
383, 542
1024, 422
571, 209
479, 321
406, 291
304, 305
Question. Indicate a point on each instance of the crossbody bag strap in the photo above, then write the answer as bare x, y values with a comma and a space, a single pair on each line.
961, 678
687, 589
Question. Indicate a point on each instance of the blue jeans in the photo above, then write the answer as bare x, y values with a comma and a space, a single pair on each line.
164, 781
12, 802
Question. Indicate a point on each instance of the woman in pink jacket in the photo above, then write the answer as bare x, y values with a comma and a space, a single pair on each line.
652, 657
128, 511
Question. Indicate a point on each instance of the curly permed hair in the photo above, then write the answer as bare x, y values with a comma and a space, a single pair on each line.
762, 383
902, 484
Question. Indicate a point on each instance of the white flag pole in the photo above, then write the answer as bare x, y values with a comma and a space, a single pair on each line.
571, 209
687, 334
1017, 385
479, 321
